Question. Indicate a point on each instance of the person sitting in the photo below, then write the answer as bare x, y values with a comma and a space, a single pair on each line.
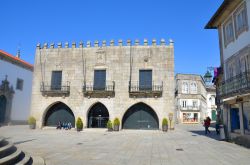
69, 125
59, 125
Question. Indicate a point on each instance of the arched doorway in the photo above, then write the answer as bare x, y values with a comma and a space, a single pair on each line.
98, 116
140, 116
3, 102
59, 112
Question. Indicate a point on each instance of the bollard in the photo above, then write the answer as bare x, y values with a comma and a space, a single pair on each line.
222, 132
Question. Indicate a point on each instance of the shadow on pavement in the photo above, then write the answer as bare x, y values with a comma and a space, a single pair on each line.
212, 134
24, 141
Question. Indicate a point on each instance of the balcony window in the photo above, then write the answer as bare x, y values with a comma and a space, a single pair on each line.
184, 103
184, 87
145, 79
195, 105
99, 79
228, 32
240, 20
193, 87
56, 80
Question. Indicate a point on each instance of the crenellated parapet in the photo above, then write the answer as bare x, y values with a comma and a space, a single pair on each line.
103, 43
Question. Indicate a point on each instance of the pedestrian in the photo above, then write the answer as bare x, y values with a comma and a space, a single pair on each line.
207, 124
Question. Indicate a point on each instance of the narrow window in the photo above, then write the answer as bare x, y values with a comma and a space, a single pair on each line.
56, 80
19, 84
184, 87
145, 79
99, 79
240, 19
228, 32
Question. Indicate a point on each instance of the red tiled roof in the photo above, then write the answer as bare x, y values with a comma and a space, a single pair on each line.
16, 60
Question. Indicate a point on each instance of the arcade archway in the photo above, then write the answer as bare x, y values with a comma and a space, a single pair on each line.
140, 116
98, 116
59, 112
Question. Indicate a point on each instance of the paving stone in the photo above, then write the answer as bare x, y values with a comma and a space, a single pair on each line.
178, 147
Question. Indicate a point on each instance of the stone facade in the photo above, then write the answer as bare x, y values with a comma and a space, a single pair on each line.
122, 64
190, 96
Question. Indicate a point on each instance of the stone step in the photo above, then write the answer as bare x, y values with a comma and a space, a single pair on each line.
7, 150
26, 160
2, 141
36, 160
11, 159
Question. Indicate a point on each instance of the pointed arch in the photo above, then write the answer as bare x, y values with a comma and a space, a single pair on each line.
140, 116
98, 116
58, 112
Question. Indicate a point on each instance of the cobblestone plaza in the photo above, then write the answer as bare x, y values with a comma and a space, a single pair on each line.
186, 145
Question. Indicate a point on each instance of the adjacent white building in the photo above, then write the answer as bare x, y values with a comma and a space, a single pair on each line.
232, 21
15, 88
211, 106
190, 98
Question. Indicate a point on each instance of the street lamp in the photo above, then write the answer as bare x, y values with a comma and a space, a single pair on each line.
208, 77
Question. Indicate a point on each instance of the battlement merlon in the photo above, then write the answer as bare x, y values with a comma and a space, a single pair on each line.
112, 43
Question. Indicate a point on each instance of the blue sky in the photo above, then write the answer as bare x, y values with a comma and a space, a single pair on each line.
28, 22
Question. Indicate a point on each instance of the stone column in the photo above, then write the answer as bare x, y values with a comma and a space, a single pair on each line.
227, 108
241, 118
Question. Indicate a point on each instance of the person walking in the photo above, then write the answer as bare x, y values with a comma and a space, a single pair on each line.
207, 124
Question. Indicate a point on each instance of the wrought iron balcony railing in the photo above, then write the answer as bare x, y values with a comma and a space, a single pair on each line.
50, 89
239, 84
90, 89
192, 108
150, 89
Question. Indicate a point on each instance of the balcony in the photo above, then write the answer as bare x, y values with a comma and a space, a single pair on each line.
103, 91
190, 108
151, 90
239, 84
48, 89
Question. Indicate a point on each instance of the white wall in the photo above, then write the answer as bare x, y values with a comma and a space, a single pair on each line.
21, 101
210, 104
239, 43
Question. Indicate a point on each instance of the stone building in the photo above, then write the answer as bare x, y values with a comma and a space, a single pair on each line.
15, 89
190, 97
99, 82
232, 21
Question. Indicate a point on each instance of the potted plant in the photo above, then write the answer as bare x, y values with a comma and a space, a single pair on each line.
32, 122
109, 125
79, 124
116, 124
165, 125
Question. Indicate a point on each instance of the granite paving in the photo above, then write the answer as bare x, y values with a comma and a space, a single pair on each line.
185, 145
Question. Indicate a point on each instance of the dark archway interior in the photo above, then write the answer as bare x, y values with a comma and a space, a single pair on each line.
98, 116
140, 116
59, 113
3, 102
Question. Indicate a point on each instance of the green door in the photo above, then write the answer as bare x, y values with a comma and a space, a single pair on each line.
213, 115
140, 116
59, 113
3, 102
